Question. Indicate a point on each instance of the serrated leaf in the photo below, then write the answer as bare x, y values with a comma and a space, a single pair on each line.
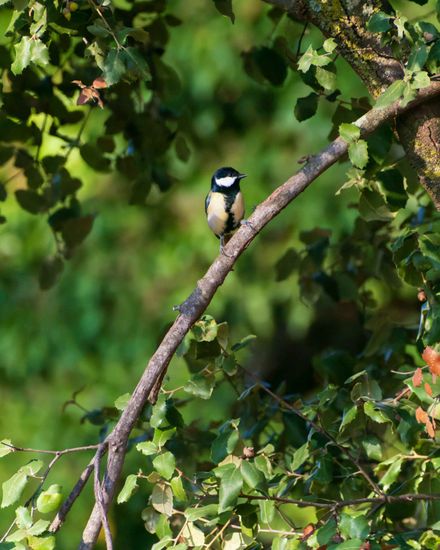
29, 50
41, 543
312, 57
420, 80
49, 500
349, 132
122, 401
358, 153
162, 499
147, 448
201, 385
14, 486
23, 518
128, 489
165, 464
326, 78
329, 45
39, 527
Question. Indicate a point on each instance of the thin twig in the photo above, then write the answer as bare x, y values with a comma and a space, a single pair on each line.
219, 534
15, 448
99, 496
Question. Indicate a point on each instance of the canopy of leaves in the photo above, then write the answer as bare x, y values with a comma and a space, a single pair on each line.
114, 116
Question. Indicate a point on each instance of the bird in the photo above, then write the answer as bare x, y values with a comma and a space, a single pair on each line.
224, 204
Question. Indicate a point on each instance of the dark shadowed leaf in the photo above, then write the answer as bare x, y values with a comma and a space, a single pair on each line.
306, 107
75, 230
225, 8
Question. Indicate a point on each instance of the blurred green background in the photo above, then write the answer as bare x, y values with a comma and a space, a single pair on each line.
96, 329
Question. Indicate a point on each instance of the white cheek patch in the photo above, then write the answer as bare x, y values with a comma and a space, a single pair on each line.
225, 182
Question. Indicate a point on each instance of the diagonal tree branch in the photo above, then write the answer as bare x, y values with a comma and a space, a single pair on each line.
206, 287
376, 64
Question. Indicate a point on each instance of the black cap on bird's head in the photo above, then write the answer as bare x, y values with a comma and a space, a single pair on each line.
226, 177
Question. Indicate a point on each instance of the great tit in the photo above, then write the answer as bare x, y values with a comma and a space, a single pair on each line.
224, 204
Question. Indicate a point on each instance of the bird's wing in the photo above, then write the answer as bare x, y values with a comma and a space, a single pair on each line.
207, 201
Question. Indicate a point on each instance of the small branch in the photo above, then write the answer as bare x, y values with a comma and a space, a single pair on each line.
50, 452
201, 297
99, 496
335, 506
74, 494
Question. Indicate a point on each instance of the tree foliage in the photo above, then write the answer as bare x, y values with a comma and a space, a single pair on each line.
351, 463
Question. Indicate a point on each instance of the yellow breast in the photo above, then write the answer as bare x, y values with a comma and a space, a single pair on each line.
217, 214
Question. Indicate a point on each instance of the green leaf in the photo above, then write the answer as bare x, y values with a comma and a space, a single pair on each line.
271, 65
224, 443
165, 464
372, 447
353, 544
114, 67
379, 22
325, 533
193, 514
122, 401
358, 153
14, 486
147, 448
312, 57
391, 94
417, 57
43, 543
354, 527
29, 50
225, 8
23, 518
267, 511
75, 230
39, 527
374, 413
326, 78
193, 536
201, 385
306, 107
178, 489
4, 449
163, 543
244, 342
162, 499
150, 518
231, 482
30, 200
420, 80
300, 456
251, 475
329, 45
160, 437
391, 474
128, 489
348, 417
49, 500
349, 132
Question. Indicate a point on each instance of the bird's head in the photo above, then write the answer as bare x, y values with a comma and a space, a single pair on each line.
226, 177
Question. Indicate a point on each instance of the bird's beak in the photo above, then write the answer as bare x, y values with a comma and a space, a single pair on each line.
241, 176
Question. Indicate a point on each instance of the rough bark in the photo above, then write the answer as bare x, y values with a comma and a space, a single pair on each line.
206, 287
345, 21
